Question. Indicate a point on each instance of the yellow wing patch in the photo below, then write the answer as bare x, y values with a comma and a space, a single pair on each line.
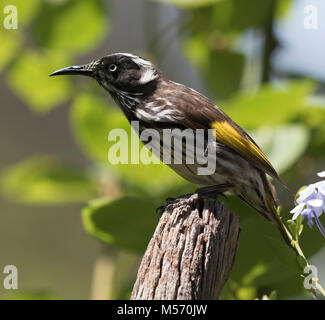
229, 136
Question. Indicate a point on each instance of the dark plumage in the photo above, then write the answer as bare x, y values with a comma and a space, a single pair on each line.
143, 94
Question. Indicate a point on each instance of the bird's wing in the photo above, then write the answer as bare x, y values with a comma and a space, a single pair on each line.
202, 113
238, 140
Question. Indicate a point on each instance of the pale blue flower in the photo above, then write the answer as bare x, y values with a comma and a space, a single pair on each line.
311, 203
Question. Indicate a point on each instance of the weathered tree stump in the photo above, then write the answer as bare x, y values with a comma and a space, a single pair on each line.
190, 254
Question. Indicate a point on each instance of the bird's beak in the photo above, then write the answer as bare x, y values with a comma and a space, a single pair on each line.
85, 70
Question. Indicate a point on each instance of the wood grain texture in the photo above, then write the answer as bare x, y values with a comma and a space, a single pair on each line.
190, 254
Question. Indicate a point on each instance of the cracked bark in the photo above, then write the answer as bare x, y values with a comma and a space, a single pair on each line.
190, 254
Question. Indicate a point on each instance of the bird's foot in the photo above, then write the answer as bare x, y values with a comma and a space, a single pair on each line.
172, 203
211, 192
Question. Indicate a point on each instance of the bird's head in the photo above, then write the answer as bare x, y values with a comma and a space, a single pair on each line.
117, 72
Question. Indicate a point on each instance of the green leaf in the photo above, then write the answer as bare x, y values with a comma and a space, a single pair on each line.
283, 7
73, 27
282, 251
196, 50
296, 227
250, 13
92, 120
283, 145
222, 69
273, 295
299, 225
224, 73
190, 4
313, 116
293, 229
41, 180
29, 79
246, 293
30, 295
11, 41
270, 105
126, 223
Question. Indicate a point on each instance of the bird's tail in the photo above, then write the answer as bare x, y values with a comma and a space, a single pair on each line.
272, 213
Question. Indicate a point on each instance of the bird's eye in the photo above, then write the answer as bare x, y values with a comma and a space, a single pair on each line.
112, 67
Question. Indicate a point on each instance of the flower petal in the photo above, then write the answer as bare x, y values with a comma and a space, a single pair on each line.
306, 193
321, 187
321, 174
315, 203
320, 226
310, 222
297, 210
309, 215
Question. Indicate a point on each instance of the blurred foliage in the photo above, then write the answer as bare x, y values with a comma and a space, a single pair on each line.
211, 44
39, 91
282, 117
31, 295
13, 39
283, 7
11, 43
27, 9
189, 4
59, 31
281, 104
283, 145
127, 223
41, 180
55, 29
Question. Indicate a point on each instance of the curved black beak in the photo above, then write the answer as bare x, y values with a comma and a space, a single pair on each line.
84, 70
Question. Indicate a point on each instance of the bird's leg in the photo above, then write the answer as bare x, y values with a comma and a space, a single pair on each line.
212, 192
172, 202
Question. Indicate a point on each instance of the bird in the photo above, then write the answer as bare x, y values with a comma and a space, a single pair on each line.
145, 95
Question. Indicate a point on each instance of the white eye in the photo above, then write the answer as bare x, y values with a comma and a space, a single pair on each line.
112, 67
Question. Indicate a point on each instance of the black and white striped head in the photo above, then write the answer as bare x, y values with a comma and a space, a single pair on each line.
118, 72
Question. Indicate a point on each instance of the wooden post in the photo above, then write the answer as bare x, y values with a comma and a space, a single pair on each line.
190, 254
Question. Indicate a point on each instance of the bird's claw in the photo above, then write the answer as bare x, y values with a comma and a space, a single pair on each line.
211, 192
171, 203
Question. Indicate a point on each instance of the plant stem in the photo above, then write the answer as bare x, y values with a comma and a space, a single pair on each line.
295, 245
